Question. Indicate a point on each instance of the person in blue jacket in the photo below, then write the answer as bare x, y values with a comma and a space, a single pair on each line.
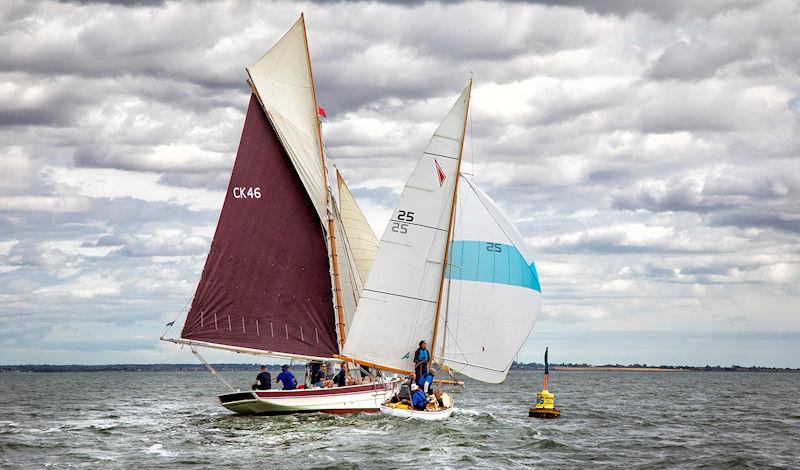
421, 358
286, 378
426, 382
418, 398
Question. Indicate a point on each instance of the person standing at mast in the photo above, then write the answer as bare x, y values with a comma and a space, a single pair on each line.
421, 359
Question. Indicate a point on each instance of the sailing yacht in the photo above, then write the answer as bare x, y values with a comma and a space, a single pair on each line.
286, 266
450, 267
294, 270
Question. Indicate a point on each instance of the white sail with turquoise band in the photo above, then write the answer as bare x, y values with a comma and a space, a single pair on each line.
492, 294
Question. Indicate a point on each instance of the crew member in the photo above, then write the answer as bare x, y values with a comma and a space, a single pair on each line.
421, 359
263, 380
286, 378
418, 398
341, 378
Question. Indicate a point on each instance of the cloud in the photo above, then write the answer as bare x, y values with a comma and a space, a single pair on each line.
647, 151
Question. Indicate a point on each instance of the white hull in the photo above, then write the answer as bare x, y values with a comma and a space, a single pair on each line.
420, 414
350, 399
417, 414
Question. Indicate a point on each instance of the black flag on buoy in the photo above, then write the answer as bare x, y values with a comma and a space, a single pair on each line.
546, 365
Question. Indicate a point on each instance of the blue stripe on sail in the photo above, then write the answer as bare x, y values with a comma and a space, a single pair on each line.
491, 262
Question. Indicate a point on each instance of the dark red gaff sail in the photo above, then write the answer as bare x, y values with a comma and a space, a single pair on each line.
266, 283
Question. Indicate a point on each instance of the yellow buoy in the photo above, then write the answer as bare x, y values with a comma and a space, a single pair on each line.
545, 401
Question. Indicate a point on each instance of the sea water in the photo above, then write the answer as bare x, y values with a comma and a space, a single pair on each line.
608, 419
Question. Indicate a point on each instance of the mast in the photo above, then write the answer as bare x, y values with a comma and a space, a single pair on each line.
449, 230
337, 288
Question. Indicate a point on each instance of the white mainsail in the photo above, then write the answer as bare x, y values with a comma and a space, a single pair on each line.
283, 82
399, 301
494, 295
361, 238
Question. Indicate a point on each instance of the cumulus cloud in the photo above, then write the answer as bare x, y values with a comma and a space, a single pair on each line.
648, 151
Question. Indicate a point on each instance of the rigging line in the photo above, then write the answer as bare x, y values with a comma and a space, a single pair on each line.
499, 225
471, 143
212, 370
180, 312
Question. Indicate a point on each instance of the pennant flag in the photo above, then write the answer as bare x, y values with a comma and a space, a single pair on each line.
321, 112
439, 173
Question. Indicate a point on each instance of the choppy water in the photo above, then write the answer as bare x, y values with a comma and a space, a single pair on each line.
629, 419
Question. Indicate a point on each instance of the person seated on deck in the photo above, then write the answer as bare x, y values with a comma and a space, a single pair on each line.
421, 359
403, 395
343, 377
320, 379
263, 380
418, 398
286, 378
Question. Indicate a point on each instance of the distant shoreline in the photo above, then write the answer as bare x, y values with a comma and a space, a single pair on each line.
196, 367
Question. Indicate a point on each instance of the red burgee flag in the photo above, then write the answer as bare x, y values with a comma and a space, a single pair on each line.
321, 111
439, 173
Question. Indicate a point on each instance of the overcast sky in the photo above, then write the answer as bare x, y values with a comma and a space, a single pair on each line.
649, 154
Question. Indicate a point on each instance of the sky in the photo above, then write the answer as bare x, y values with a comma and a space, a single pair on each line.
648, 151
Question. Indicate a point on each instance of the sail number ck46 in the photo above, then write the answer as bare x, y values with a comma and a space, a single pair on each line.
402, 216
245, 192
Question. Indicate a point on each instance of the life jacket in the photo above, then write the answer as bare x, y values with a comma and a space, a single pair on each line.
421, 355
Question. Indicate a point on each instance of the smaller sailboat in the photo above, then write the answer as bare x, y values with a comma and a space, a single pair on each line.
432, 412
450, 267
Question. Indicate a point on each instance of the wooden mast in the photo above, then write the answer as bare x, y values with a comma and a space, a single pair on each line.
449, 229
337, 288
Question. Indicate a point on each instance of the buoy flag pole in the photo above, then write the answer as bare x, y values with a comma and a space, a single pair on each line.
546, 368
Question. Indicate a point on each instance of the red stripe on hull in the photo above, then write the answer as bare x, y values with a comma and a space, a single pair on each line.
322, 391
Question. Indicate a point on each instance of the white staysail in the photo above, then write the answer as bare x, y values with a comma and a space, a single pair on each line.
399, 301
349, 280
360, 237
494, 295
282, 79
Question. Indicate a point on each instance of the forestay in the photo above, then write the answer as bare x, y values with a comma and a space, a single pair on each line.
398, 304
494, 294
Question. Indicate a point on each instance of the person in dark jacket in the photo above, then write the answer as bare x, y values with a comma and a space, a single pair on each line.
263, 380
343, 377
421, 359
418, 398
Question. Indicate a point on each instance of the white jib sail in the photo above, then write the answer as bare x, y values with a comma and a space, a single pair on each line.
282, 78
494, 295
349, 280
361, 238
398, 303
